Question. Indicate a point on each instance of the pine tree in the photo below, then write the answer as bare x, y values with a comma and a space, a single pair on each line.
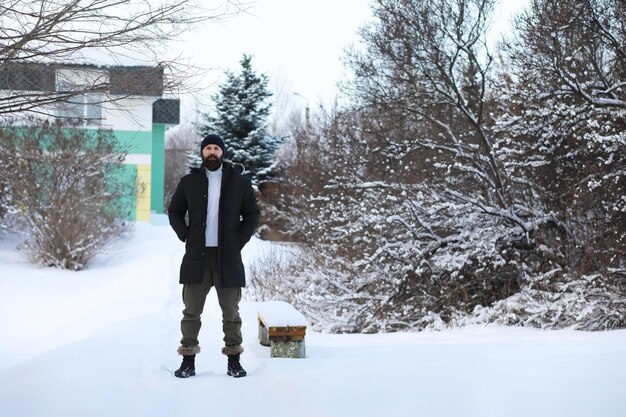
241, 111
193, 159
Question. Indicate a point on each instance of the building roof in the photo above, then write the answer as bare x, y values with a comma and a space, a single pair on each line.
122, 80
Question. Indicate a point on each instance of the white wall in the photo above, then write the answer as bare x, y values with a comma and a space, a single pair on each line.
18, 117
129, 113
118, 112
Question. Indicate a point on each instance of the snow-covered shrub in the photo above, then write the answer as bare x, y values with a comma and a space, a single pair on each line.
382, 249
6, 188
443, 190
565, 124
403, 205
555, 300
270, 277
66, 190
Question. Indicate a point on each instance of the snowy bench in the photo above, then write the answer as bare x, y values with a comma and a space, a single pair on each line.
283, 328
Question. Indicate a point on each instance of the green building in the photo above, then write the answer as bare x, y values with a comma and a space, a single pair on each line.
126, 99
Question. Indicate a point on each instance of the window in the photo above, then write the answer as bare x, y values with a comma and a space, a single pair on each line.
86, 106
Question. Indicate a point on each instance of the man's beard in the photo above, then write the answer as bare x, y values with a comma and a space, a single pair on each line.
212, 162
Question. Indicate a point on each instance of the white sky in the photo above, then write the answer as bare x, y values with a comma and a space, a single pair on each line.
297, 43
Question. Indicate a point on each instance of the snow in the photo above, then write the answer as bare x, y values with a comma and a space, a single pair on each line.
102, 342
280, 314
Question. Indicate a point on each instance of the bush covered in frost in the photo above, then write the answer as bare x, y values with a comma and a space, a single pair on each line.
448, 190
65, 189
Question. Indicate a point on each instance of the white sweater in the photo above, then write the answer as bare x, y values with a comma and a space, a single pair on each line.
213, 206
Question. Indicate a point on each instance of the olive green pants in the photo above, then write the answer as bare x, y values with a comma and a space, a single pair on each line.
194, 297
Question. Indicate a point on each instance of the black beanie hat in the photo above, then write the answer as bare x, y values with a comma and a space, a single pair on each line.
213, 140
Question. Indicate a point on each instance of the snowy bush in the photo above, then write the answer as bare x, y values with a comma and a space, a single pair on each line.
565, 125
446, 192
65, 189
268, 276
556, 301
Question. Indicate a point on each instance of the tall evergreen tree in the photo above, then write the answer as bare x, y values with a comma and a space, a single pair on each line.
241, 111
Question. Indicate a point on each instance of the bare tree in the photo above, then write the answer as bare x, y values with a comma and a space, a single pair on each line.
53, 31
566, 118
565, 124
434, 194
579, 43
429, 63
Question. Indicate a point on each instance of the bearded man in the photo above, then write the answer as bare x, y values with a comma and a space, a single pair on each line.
223, 215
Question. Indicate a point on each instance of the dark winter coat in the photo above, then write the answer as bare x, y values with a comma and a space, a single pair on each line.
238, 218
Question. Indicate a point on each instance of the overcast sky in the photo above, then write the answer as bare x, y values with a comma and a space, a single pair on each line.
297, 43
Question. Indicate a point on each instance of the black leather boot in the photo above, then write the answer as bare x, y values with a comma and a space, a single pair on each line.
187, 368
234, 367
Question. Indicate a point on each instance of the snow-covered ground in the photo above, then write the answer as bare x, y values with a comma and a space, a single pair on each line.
102, 342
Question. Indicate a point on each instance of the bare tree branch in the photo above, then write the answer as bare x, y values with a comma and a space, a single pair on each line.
102, 31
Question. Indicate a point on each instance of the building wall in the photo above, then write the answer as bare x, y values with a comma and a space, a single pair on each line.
130, 119
17, 118
128, 113
127, 174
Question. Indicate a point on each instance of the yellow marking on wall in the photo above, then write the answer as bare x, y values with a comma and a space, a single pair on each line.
144, 175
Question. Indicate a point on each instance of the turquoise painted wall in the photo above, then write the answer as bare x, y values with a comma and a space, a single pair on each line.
135, 142
158, 168
127, 176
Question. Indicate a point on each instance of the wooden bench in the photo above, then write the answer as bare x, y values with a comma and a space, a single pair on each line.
282, 328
